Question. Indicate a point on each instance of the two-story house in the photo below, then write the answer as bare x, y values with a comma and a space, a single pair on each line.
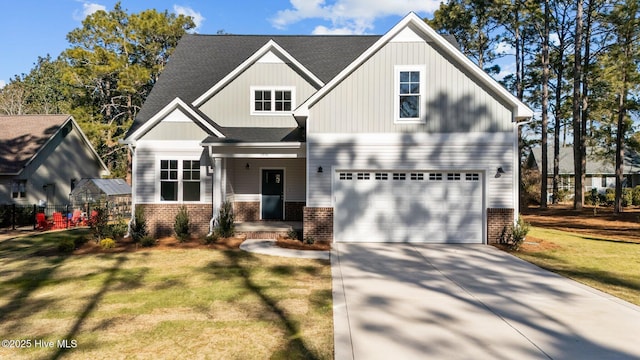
393, 138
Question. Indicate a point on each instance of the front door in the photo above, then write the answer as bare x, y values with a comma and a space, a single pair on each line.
272, 194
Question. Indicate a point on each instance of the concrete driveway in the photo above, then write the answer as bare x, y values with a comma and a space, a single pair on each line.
407, 301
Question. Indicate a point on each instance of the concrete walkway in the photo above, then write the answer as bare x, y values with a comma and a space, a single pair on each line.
269, 247
403, 301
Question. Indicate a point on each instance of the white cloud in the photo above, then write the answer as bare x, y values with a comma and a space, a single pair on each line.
2, 84
198, 19
504, 48
87, 9
554, 39
505, 70
348, 16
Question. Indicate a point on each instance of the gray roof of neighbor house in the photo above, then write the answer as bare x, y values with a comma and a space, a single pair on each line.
201, 61
23, 136
107, 186
596, 165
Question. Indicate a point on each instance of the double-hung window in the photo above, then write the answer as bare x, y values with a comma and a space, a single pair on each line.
179, 180
272, 100
410, 90
19, 189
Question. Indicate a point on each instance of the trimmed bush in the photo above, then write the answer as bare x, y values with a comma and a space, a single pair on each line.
627, 197
107, 243
635, 195
148, 241
210, 239
224, 221
139, 226
513, 235
181, 225
116, 230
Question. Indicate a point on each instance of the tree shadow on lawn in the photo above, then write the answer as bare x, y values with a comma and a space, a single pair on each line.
295, 347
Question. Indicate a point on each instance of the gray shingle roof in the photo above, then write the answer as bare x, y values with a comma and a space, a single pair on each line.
201, 61
107, 186
595, 165
23, 136
252, 135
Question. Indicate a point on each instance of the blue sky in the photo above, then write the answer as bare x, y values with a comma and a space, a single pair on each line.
32, 28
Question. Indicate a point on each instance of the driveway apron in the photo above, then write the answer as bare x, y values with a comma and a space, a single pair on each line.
414, 301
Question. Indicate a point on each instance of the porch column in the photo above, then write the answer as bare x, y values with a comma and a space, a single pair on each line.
217, 195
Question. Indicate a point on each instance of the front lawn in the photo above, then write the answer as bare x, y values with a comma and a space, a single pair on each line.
161, 303
607, 263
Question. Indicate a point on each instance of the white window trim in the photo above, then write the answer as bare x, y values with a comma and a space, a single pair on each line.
158, 197
273, 89
422, 69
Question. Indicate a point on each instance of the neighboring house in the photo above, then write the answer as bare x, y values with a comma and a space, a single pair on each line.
599, 174
42, 157
386, 138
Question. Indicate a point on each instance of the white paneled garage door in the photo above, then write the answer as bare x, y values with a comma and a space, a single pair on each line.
406, 206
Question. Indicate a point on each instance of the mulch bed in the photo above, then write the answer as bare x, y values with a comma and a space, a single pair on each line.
299, 245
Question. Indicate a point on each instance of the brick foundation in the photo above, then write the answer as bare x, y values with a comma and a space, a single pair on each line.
497, 219
161, 217
246, 211
318, 223
294, 211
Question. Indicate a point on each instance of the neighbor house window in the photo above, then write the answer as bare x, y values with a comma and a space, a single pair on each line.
409, 94
19, 189
180, 180
272, 101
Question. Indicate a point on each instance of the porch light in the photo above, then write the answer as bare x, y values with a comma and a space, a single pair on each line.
499, 172
319, 169
247, 166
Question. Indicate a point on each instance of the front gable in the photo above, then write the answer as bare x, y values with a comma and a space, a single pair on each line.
232, 101
176, 121
446, 92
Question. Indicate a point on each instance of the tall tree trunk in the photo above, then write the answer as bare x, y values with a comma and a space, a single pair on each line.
620, 146
578, 199
586, 68
556, 129
545, 106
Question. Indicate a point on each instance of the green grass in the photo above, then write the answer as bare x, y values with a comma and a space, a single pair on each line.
163, 303
608, 265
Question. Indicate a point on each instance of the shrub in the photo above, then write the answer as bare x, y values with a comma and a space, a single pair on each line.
107, 243
139, 226
610, 196
513, 235
181, 224
635, 195
627, 197
309, 240
563, 195
210, 239
117, 229
66, 246
98, 222
224, 221
593, 198
147, 241
292, 234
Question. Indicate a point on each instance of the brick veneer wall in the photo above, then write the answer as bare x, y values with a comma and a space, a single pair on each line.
246, 211
318, 223
497, 219
161, 217
294, 211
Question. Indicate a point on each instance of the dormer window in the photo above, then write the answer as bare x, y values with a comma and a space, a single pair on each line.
410, 90
272, 100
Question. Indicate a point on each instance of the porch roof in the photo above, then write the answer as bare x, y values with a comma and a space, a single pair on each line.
237, 135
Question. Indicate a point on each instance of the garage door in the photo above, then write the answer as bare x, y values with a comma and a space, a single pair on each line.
405, 206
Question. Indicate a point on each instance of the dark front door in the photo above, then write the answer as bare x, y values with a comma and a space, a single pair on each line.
272, 194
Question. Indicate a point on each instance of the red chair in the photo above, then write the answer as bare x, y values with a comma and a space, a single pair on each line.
41, 222
76, 218
58, 221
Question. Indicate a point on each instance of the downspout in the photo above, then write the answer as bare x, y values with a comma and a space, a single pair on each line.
132, 221
212, 222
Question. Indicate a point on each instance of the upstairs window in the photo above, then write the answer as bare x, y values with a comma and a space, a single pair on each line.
19, 189
409, 94
272, 101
